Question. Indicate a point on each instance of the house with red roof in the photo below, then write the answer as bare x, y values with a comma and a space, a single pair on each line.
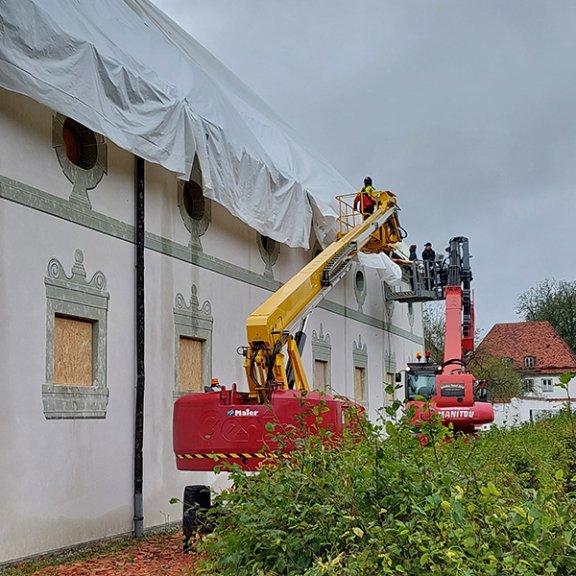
540, 356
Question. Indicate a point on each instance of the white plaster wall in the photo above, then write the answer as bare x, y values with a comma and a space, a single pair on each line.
162, 212
520, 410
27, 156
228, 239
66, 482
62, 481
558, 391
536, 404
114, 195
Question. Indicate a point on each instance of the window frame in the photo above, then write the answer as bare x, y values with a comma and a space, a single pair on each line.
75, 297
547, 385
360, 361
322, 352
196, 224
529, 385
82, 178
195, 322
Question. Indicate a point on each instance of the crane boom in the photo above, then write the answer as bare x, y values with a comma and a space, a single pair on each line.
268, 327
452, 334
310, 285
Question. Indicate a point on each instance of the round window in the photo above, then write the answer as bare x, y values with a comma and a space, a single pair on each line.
194, 202
80, 144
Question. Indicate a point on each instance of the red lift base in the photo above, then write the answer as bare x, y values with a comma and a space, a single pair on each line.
213, 428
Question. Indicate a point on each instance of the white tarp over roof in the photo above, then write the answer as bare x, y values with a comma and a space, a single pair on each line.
125, 70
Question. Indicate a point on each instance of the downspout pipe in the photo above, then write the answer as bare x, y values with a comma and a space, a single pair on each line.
140, 334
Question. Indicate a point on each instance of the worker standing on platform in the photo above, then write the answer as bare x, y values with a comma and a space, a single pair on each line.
366, 199
428, 253
428, 257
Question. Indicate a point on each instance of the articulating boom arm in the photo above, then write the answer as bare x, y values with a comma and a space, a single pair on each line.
267, 327
459, 328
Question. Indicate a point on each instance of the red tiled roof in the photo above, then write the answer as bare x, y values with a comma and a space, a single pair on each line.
539, 339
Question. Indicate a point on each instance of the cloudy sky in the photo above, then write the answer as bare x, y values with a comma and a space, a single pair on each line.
465, 108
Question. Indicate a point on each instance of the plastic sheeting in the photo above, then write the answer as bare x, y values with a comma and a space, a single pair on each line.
388, 270
125, 70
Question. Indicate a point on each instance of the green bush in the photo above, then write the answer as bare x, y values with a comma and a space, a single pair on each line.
501, 504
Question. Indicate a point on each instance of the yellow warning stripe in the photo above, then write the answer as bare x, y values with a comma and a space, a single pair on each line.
219, 456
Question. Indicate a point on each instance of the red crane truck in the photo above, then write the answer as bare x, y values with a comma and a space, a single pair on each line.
449, 389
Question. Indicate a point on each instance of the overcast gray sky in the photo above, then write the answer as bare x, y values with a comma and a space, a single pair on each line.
465, 108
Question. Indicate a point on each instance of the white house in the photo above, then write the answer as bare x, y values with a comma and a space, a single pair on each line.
540, 356
148, 203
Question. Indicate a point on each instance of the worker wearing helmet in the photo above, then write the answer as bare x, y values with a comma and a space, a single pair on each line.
366, 198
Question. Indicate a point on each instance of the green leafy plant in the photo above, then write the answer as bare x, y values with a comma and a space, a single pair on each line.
499, 504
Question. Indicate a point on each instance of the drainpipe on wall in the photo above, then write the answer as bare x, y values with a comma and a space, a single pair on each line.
140, 375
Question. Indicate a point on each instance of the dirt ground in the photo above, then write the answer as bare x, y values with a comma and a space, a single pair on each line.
154, 555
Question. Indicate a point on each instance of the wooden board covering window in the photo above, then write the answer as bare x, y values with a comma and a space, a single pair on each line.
72, 352
359, 384
390, 381
190, 355
320, 375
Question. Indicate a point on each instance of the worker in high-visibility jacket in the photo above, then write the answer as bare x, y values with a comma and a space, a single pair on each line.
366, 199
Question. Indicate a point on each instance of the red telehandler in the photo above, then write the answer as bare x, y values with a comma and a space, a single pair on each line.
449, 389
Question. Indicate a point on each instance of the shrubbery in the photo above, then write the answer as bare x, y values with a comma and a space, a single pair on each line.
501, 504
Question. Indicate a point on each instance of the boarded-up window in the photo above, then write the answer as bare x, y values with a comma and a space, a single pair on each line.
190, 354
390, 382
359, 385
72, 351
320, 371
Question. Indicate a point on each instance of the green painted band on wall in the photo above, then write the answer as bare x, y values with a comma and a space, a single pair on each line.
36, 199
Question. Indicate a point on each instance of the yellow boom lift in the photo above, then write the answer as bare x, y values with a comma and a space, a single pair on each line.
225, 425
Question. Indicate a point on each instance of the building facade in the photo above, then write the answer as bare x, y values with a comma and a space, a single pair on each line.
68, 342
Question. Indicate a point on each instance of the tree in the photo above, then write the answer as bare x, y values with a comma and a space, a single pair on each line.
433, 319
503, 382
555, 301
